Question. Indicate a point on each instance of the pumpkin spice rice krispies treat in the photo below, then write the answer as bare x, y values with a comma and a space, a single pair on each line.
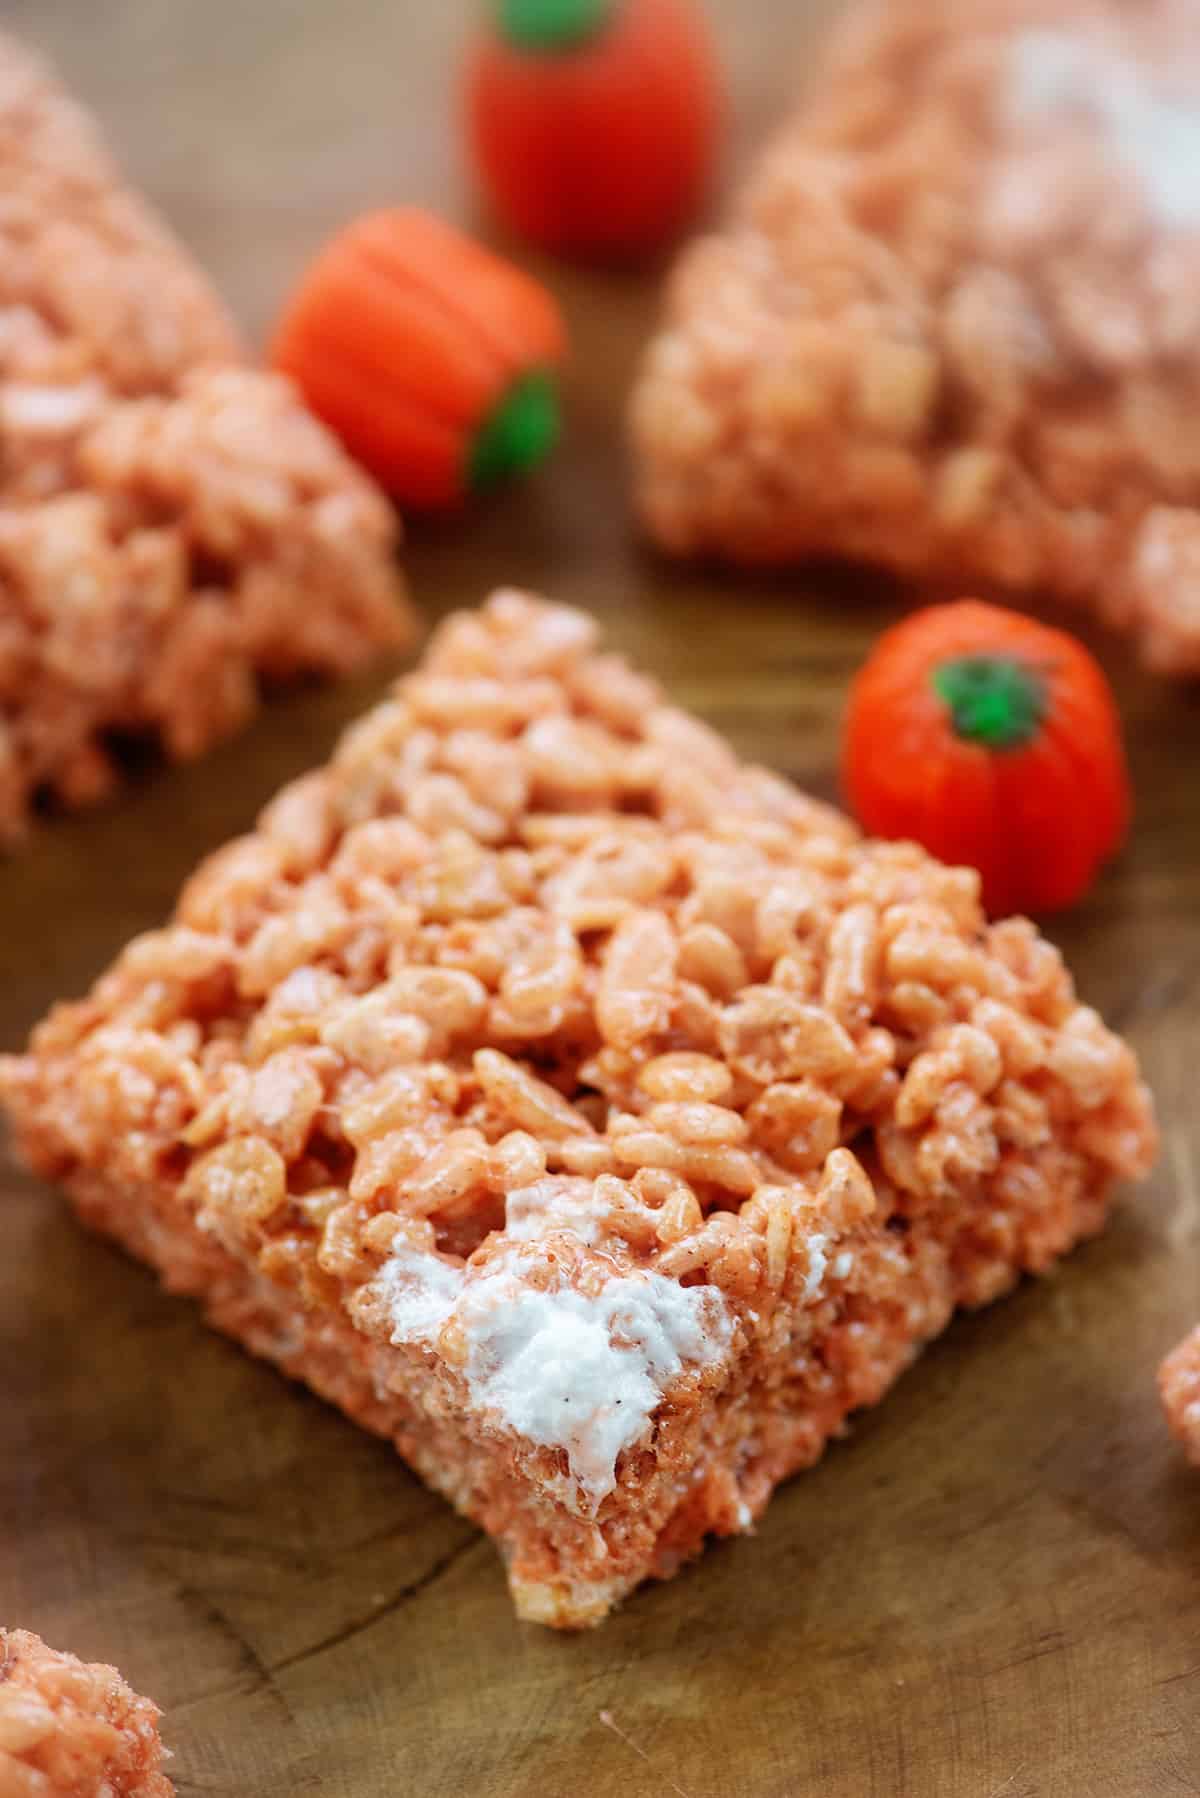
174, 528
70, 1730
594, 1115
1179, 1385
954, 324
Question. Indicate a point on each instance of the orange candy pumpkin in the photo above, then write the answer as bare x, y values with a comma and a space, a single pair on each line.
430, 357
994, 741
593, 123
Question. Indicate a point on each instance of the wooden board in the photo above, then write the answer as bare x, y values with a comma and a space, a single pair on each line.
991, 1590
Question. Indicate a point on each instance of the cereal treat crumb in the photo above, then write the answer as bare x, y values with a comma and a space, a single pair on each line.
69, 1730
958, 336
590, 1113
173, 527
1179, 1384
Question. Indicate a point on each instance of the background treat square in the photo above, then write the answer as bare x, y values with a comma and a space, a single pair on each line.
958, 337
73, 1730
173, 527
585, 1110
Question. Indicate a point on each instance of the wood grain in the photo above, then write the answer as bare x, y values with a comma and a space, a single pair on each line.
992, 1589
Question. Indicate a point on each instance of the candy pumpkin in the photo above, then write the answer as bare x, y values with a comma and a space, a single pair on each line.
593, 123
431, 358
993, 741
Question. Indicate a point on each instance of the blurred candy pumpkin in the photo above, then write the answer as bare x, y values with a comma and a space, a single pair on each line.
431, 358
994, 741
593, 123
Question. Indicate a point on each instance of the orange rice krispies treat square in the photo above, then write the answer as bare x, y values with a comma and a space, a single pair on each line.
172, 527
593, 1115
1179, 1384
70, 1730
954, 325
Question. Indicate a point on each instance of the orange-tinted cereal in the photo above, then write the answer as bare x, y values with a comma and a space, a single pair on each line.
173, 527
1179, 1384
953, 326
70, 1730
590, 1113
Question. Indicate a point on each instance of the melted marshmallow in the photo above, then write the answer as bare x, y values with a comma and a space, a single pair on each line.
557, 1202
564, 1370
420, 1291
586, 1374
817, 1265
1156, 135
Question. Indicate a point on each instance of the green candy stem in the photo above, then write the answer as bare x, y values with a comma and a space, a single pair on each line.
517, 435
996, 701
550, 26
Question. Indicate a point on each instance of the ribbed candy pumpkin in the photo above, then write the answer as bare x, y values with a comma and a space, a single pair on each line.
593, 123
993, 741
431, 358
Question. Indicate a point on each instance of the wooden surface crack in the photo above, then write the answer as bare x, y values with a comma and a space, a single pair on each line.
210, 1612
388, 1608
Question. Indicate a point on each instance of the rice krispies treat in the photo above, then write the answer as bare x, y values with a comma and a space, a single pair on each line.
1179, 1384
954, 325
72, 1730
84, 256
593, 1115
173, 528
